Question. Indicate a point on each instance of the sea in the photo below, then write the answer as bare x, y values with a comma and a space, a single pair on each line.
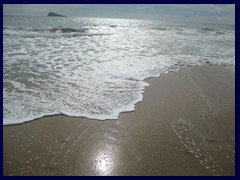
96, 67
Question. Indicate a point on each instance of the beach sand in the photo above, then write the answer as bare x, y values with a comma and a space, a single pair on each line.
185, 125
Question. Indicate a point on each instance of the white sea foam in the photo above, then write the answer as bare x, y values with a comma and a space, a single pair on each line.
96, 68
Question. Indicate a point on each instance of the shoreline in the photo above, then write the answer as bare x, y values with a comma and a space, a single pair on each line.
197, 104
128, 111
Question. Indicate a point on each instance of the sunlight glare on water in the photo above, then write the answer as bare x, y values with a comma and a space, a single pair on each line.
95, 68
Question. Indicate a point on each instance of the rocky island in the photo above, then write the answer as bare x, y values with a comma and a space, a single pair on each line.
54, 14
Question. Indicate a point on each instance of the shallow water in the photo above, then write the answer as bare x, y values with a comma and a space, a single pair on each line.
96, 67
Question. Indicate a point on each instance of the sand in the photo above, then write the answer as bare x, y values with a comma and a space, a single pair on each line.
185, 125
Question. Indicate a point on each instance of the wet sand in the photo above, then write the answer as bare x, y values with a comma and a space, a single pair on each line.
184, 126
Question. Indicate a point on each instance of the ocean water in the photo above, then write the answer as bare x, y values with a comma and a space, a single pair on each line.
96, 68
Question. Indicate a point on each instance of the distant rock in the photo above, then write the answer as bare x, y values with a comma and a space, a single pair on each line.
54, 14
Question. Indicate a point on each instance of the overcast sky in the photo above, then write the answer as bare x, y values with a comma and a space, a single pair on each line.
208, 13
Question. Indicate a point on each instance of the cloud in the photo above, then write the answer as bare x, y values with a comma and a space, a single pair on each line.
217, 13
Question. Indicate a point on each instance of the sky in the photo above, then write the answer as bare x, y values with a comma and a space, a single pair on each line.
204, 13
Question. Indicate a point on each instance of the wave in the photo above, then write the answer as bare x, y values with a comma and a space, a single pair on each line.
101, 96
113, 26
160, 28
58, 29
67, 35
68, 30
219, 32
208, 29
62, 70
51, 33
